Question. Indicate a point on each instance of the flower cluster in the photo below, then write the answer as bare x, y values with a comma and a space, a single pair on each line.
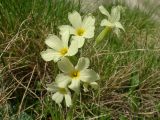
72, 38
59, 49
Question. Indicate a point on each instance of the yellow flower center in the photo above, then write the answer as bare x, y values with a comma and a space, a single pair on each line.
63, 51
80, 31
62, 90
75, 74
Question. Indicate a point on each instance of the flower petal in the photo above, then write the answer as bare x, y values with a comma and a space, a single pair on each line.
88, 25
105, 22
75, 85
116, 31
75, 19
65, 65
68, 100
88, 21
54, 42
83, 63
50, 54
73, 48
88, 75
119, 25
89, 33
57, 97
94, 85
80, 41
65, 38
115, 14
62, 80
64, 28
51, 87
104, 11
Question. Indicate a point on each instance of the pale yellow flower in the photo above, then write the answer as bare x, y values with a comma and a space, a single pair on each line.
58, 48
74, 75
113, 18
80, 29
60, 93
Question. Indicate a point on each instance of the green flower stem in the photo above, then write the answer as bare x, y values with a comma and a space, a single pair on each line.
71, 111
101, 36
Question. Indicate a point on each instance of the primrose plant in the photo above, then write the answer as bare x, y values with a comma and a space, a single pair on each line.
61, 49
112, 23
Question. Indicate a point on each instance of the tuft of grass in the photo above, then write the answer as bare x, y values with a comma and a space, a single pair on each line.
128, 65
